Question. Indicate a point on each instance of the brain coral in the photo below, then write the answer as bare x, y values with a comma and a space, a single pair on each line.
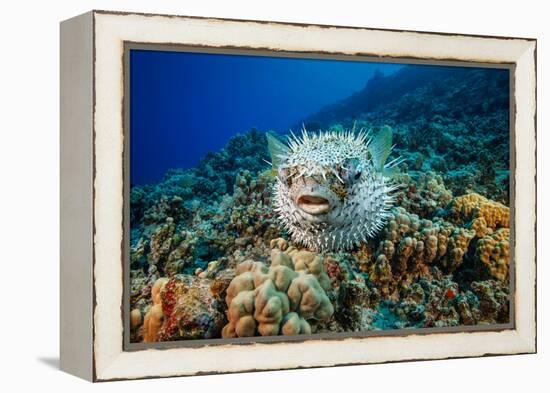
283, 298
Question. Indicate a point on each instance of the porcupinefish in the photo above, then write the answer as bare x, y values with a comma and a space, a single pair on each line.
333, 189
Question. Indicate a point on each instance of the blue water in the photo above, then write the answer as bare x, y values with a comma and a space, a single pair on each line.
184, 105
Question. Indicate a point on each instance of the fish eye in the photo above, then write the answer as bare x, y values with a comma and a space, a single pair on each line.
353, 170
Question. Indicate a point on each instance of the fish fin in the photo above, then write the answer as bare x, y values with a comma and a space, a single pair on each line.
277, 150
380, 147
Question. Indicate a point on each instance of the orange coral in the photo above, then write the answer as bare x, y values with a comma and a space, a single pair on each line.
456, 248
484, 215
155, 316
135, 318
152, 323
493, 251
414, 243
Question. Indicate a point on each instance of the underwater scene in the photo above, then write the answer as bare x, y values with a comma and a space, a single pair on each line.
280, 196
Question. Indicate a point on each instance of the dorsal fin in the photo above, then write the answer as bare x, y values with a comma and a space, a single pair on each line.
380, 147
277, 150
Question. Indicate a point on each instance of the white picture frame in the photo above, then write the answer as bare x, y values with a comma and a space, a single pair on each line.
92, 194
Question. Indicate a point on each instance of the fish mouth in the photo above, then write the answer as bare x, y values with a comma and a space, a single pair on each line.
313, 204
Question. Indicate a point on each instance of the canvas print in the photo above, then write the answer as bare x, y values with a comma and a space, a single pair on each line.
289, 196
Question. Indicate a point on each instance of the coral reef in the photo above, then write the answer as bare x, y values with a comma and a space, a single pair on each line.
480, 213
183, 307
409, 246
206, 268
441, 303
213, 177
209, 257
425, 196
191, 311
285, 298
354, 305
205, 232
493, 252
252, 218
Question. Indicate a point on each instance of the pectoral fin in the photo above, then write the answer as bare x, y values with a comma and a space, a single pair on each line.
277, 150
380, 147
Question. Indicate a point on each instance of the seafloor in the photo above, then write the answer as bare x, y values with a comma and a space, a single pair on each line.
209, 259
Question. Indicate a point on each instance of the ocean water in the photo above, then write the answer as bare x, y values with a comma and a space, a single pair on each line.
184, 105
203, 206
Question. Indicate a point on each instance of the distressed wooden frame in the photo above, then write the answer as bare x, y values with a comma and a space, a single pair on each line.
92, 194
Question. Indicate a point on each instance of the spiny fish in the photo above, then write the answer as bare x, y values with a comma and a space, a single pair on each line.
334, 189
